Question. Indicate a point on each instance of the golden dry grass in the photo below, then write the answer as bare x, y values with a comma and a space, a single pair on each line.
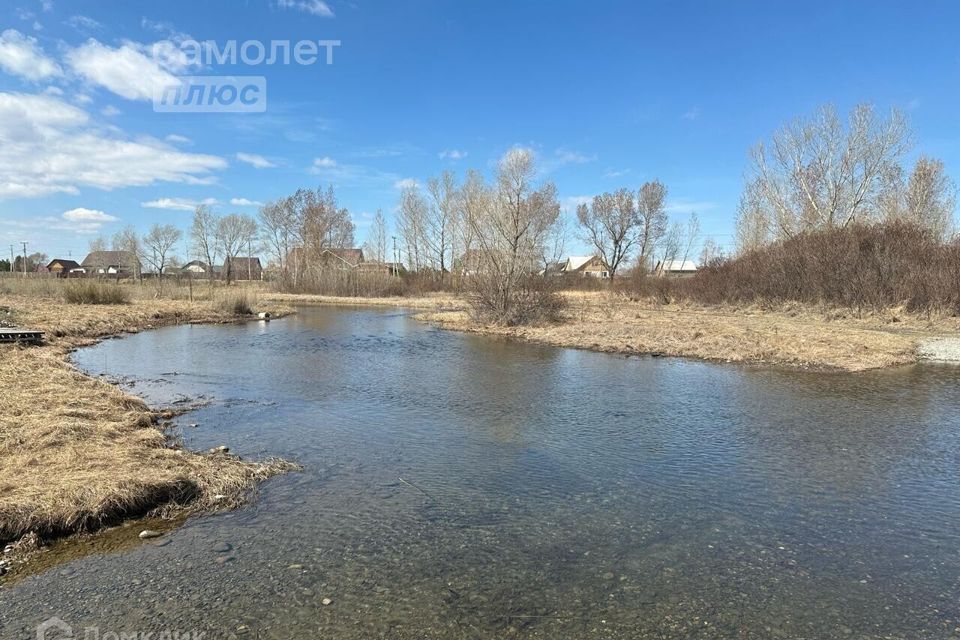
433, 301
791, 335
77, 453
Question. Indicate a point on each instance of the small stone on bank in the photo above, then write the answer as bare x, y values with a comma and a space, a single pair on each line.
146, 534
326, 601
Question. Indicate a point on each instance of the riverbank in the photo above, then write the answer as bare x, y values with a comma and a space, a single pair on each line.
796, 335
77, 453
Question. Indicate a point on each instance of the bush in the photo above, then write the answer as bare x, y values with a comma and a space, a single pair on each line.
95, 293
859, 266
534, 300
240, 302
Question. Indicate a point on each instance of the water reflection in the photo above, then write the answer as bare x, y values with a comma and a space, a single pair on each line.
458, 486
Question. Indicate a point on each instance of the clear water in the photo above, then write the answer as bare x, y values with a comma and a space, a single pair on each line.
457, 486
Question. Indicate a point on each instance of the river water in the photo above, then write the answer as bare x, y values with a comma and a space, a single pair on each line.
458, 486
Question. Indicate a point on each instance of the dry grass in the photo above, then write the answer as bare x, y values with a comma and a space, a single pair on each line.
77, 453
792, 335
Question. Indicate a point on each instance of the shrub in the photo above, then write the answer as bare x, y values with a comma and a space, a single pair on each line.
534, 300
88, 292
859, 266
237, 302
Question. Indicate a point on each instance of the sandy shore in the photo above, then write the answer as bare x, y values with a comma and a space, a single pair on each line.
77, 453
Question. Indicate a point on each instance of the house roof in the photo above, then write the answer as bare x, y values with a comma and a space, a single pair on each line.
110, 259
677, 265
352, 257
575, 263
242, 262
66, 264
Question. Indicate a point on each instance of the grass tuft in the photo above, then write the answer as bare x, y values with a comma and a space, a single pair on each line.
89, 292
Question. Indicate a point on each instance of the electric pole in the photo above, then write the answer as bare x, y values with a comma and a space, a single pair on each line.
10, 269
24, 259
396, 267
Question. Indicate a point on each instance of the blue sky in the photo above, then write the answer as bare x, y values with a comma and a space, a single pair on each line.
608, 94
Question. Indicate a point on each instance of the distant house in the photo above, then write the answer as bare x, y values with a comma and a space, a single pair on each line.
675, 268
200, 268
341, 258
62, 268
101, 263
242, 268
587, 266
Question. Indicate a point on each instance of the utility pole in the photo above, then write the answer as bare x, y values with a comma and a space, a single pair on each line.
24, 259
396, 267
10, 269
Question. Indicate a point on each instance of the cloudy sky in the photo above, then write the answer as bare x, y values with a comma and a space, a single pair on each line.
608, 94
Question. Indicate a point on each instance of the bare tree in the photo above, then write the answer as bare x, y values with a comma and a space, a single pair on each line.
710, 252
321, 224
377, 238
412, 223
203, 236
157, 246
651, 211
753, 224
612, 226
691, 235
818, 173
230, 233
473, 199
128, 241
931, 197
440, 217
97, 244
510, 229
671, 245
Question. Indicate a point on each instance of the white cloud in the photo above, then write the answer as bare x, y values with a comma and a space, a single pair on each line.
110, 111
81, 214
255, 160
48, 146
324, 162
20, 55
452, 154
84, 24
178, 204
564, 156
353, 175
47, 5
243, 202
405, 183
178, 139
125, 71
314, 7
615, 173
692, 114
570, 203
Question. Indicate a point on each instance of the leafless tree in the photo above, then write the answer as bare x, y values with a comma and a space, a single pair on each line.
203, 236
691, 235
321, 224
411, 224
97, 244
931, 197
611, 224
651, 211
473, 200
671, 244
128, 241
158, 244
753, 224
377, 238
230, 234
276, 230
819, 173
710, 252
440, 219
510, 230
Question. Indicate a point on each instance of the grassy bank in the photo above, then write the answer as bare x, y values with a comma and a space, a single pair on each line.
77, 453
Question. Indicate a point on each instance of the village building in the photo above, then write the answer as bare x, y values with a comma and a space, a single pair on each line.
242, 268
62, 268
587, 266
102, 263
199, 268
675, 268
